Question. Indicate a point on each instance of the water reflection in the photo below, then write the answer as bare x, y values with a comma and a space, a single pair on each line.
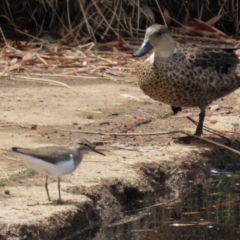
209, 211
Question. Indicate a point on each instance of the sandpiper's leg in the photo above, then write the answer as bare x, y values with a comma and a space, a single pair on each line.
59, 191
176, 109
199, 130
46, 187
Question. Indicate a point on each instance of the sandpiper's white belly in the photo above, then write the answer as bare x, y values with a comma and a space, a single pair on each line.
46, 168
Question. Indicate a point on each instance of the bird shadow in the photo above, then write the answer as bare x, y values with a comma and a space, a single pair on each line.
198, 142
69, 202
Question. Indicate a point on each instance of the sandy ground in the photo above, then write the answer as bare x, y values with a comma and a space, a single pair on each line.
99, 106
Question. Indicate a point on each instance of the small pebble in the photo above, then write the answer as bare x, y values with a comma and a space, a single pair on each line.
7, 192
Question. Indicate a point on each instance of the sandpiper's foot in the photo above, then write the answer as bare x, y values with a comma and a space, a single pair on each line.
58, 201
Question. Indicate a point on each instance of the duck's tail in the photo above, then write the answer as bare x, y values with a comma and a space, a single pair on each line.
229, 82
236, 70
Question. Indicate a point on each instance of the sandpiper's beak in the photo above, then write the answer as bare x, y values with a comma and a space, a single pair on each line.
144, 49
96, 151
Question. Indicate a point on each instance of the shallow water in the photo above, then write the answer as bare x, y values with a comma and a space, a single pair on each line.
210, 210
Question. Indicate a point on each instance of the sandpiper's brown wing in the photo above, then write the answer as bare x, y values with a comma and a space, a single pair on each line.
52, 154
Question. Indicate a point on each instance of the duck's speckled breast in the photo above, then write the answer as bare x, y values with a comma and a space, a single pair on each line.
177, 82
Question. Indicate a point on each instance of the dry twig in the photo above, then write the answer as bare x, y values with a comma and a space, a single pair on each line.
153, 133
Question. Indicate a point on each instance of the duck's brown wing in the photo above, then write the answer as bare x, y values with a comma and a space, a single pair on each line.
220, 59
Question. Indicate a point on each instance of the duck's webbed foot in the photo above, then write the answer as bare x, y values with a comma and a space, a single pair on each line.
176, 109
199, 130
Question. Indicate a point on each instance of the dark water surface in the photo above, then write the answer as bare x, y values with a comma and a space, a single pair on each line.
211, 210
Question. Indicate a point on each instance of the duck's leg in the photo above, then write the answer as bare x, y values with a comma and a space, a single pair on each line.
199, 130
176, 109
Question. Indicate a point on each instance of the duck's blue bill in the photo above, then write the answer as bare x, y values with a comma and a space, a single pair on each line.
144, 49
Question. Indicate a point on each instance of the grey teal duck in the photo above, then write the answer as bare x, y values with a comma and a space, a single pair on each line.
186, 76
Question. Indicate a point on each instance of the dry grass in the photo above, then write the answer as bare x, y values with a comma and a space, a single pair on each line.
66, 38
82, 21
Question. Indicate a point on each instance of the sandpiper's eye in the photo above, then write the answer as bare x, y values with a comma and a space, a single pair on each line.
85, 144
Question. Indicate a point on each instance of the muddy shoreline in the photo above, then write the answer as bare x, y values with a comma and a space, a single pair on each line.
106, 203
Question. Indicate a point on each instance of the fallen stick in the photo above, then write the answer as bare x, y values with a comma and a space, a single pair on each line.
24, 78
